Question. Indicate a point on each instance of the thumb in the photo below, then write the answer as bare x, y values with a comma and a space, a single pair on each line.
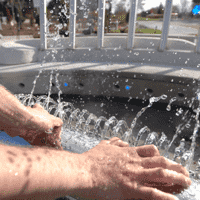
38, 106
58, 122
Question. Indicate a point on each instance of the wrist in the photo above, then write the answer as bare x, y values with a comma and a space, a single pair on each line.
83, 179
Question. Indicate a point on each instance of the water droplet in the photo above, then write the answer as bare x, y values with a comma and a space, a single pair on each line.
187, 125
164, 96
168, 108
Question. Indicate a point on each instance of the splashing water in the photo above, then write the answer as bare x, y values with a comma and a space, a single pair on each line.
82, 130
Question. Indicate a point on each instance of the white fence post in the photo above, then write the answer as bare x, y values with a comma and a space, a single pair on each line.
132, 24
117, 22
198, 42
72, 24
166, 24
101, 20
43, 23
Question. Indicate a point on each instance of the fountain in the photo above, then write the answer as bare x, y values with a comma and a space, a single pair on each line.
82, 130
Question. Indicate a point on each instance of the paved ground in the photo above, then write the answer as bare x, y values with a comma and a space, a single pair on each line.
176, 27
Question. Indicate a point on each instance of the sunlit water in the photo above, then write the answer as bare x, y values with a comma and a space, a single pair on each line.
82, 130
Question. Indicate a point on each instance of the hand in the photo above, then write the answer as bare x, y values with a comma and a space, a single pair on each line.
122, 172
35, 131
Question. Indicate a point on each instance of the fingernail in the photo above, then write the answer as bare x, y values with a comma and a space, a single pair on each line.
176, 198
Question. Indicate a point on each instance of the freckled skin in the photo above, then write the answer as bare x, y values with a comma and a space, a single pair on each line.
35, 130
123, 172
43, 173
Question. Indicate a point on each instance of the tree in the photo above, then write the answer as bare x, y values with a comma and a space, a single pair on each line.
196, 2
184, 4
160, 9
120, 9
123, 4
175, 9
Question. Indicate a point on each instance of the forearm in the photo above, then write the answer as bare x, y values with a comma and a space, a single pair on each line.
40, 173
12, 112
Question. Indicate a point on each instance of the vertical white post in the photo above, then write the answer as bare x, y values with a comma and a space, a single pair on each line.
101, 21
43, 23
166, 24
72, 24
198, 42
132, 24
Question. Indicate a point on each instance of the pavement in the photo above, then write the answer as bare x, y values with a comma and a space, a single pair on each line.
182, 27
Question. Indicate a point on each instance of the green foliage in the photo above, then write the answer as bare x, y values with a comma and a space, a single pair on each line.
151, 31
115, 31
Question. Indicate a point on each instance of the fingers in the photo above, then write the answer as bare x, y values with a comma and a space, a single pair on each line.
58, 122
147, 151
177, 189
146, 192
55, 138
160, 161
163, 177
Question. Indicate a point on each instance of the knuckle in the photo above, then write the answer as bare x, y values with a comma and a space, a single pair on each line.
155, 149
163, 161
161, 172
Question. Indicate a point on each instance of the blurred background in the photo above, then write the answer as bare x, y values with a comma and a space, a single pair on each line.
22, 17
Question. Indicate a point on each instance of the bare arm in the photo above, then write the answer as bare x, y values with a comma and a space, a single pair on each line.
12, 112
40, 173
28, 123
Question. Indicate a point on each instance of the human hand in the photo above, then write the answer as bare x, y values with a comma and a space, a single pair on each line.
122, 172
35, 131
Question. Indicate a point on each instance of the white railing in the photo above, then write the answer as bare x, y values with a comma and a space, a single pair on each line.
101, 20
